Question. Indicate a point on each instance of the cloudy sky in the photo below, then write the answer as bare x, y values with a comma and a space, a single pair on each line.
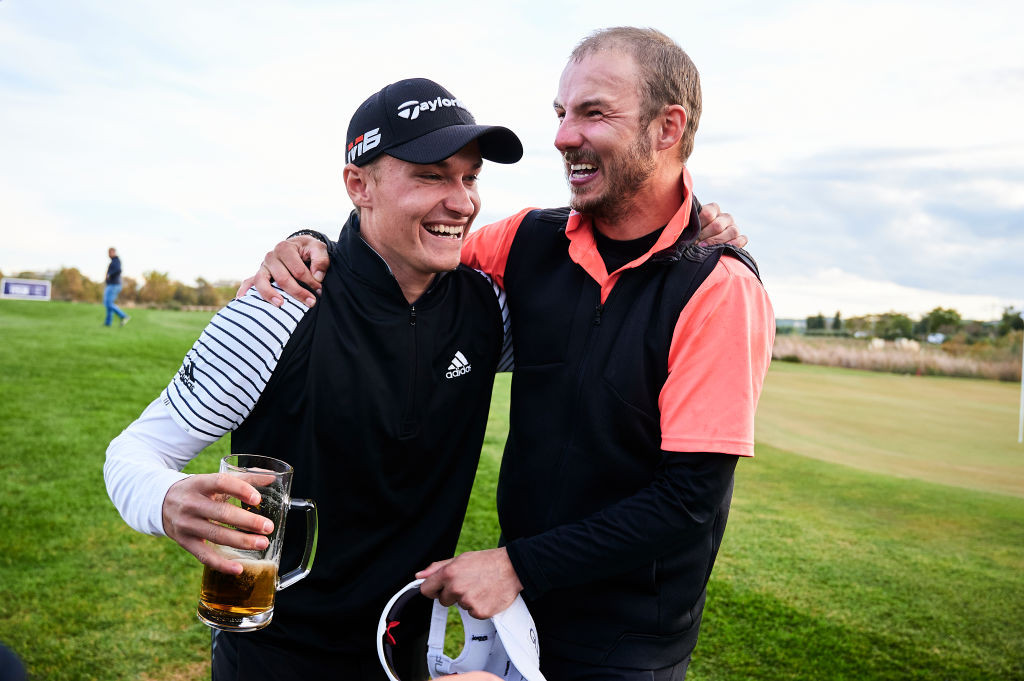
872, 151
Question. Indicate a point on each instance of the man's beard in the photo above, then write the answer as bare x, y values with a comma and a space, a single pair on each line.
625, 173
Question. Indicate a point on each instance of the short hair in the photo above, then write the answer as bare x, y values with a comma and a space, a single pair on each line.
667, 74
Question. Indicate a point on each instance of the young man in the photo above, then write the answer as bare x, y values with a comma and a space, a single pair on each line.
639, 360
357, 394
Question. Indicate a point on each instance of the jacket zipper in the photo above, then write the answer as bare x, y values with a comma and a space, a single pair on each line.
584, 361
408, 426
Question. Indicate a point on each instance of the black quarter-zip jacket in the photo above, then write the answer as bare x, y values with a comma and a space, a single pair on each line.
384, 435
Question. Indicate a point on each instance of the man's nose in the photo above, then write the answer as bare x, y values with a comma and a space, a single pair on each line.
568, 135
459, 200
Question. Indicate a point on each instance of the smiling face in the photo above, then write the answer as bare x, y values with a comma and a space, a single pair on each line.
606, 145
416, 216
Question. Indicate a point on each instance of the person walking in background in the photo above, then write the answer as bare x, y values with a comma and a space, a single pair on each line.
113, 288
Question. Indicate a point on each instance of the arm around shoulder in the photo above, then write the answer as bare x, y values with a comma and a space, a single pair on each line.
486, 249
297, 265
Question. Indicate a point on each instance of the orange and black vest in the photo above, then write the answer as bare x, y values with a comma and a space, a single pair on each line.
585, 434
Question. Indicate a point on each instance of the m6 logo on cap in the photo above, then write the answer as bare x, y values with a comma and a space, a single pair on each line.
411, 110
360, 145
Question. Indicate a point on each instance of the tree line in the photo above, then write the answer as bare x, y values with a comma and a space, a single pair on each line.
891, 325
997, 339
157, 289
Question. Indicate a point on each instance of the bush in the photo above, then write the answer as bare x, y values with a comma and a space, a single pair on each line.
1001, 361
70, 284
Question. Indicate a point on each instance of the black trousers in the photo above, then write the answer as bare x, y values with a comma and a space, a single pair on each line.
238, 657
560, 669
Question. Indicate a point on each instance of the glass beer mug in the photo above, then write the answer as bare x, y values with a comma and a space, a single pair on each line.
245, 602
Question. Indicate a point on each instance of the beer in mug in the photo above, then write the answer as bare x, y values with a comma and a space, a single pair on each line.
245, 602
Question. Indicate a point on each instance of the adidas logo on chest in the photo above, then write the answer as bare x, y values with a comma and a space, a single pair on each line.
459, 366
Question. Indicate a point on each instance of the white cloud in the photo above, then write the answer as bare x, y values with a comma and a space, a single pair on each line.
828, 290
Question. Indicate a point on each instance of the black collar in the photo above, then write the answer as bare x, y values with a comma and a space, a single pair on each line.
353, 253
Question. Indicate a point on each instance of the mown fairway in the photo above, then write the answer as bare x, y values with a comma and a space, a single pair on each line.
948, 430
845, 558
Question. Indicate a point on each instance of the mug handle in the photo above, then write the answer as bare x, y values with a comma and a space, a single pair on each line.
309, 506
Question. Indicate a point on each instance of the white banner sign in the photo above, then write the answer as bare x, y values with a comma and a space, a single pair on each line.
25, 289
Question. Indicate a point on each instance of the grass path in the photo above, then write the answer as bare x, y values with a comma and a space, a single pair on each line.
954, 431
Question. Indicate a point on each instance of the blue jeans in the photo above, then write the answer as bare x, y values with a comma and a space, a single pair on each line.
109, 296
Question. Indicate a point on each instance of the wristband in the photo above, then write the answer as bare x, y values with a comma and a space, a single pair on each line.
313, 233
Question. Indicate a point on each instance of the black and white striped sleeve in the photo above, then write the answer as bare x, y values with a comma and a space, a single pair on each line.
506, 361
225, 372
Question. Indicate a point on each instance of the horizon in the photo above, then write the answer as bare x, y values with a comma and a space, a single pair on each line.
233, 283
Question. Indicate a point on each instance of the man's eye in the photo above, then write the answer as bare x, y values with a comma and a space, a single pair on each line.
472, 178
430, 176
593, 113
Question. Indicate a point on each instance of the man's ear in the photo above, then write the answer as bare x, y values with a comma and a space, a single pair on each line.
669, 127
357, 184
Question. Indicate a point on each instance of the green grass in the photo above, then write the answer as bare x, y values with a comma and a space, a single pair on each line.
953, 431
833, 573
878, 534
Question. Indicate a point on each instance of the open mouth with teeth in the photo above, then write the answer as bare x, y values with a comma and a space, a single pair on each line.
445, 231
581, 173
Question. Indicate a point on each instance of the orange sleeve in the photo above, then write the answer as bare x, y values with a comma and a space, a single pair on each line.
721, 348
486, 249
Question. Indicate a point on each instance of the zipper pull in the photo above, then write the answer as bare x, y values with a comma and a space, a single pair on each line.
412, 316
597, 314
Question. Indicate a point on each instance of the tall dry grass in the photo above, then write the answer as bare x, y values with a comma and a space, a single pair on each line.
899, 358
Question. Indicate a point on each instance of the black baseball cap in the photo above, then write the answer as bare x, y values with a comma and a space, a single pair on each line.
418, 121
